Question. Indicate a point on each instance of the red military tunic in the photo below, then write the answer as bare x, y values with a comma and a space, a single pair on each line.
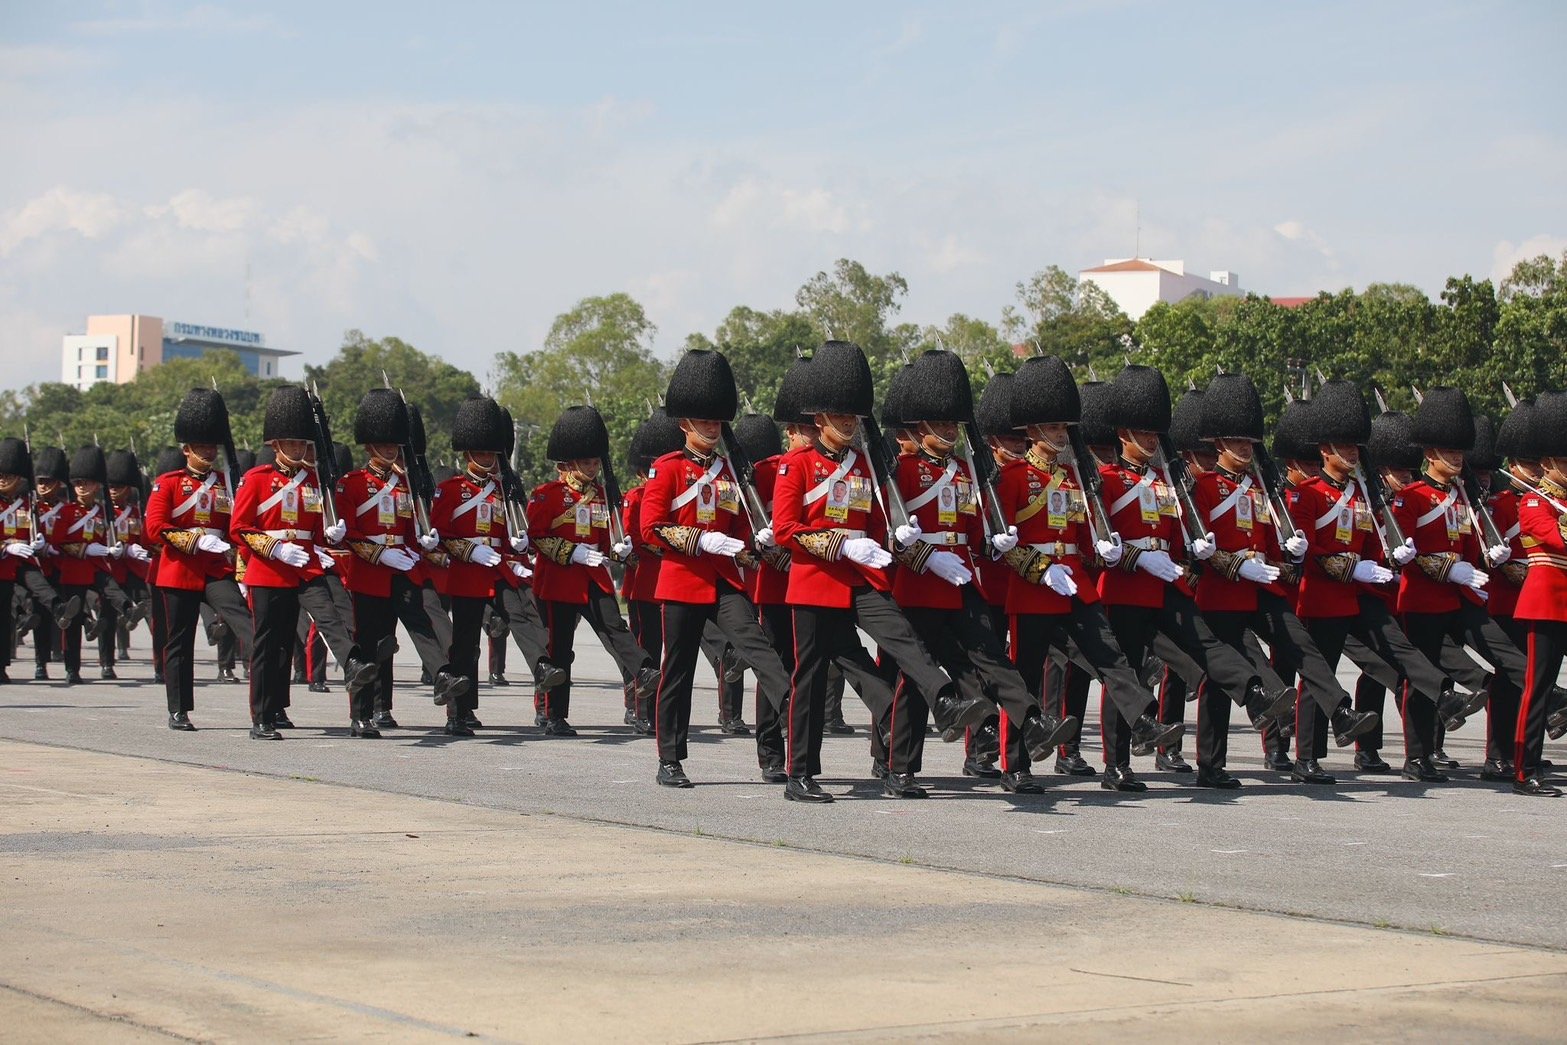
182, 508
129, 531
75, 527
273, 507
16, 524
820, 501
562, 515
940, 495
1045, 503
770, 580
1234, 511
1434, 519
687, 497
378, 511
468, 512
1337, 523
1507, 578
1544, 531
1143, 512
640, 578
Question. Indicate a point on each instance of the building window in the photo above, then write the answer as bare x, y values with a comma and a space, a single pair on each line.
81, 354
103, 351
103, 372
269, 369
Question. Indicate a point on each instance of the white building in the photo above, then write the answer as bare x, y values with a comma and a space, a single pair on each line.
1134, 284
117, 348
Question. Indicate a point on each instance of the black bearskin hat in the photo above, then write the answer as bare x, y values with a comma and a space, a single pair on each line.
894, 413
1231, 409
660, 434
1339, 415
1391, 444
1139, 400
1043, 392
416, 437
123, 469
171, 460
786, 407
1186, 422
1292, 436
288, 415
1444, 420
202, 417
88, 463
1515, 439
759, 437
838, 382
14, 458
480, 425
579, 433
1483, 456
937, 389
1095, 399
1548, 426
49, 462
244, 460
342, 459
382, 417
702, 387
994, 411
511, 433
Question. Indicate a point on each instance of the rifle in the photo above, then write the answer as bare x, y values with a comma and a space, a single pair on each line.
745, 475
613, 500
1081, 462
1388, 531
982, 471
326, 457
1174, 468
1479, 513
1266, 471
421, 485
884, 472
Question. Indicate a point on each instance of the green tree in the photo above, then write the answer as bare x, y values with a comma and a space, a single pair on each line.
1531, 327
852, 304
1059, 315
760, 347
599, 352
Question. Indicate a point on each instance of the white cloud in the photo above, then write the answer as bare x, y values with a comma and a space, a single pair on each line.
61, 209
1297, 232
1507, 255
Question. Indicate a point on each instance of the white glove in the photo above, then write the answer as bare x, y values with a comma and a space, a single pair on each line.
520, 569
97, 551
1204, 547
138, 553
1297, 545
764, 538
1368, 572
621, 547
519, 543
211, 542
335, 532
1005, 542
1497, 554
585, 555
949, 567
1404, 554
866, 552
1110, 551
429, 541
1058, 579
907, 534
1257, 571
290, 554
39, 542
715, 543
398, 559
117, 550
1158, 563
1467, 575
244, 592
484, 555
19, 549
324, 558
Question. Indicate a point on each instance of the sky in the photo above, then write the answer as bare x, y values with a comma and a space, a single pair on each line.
458, 174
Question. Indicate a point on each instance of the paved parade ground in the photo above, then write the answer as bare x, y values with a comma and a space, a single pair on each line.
511, 886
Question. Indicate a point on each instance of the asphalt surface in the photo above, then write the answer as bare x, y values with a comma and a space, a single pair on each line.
1465, 858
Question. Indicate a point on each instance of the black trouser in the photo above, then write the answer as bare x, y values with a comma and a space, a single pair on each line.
560, 626
110, 602
684, 622
521, 612
463, 655
722, 657
981, 743
1469, 625
30, 580
219, 636
1228, 666
1503, 701
822, 635
1547, 644
276, 614
7, 622
181, 610
332, 612
440, 617
375, 620
645, 620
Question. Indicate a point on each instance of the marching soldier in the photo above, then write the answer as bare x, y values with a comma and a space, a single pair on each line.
655, 437
1542, 604
1051, 601
22, 542
375, 503
824, 513
82, 534
570, 522
693, 509
278, 519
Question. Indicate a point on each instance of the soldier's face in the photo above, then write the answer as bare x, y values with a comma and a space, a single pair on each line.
483, 461
1239, 451
49, 488
1528, 471
9, 483
838, 429
387, 453
703, 434
293, 449
1396, 479
1555, 468
1444, 464
86, 489
120, 494
1008, 447
588, 467
1053, 435
1138, 446
199, 456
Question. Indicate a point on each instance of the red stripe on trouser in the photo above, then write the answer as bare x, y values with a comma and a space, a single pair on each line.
658, 694
1202, 755
1302, 707
1066, 692
892, 720
1004, 731
1521, 734
1403, 714
310, 652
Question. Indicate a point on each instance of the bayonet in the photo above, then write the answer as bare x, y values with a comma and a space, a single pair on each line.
1512, 400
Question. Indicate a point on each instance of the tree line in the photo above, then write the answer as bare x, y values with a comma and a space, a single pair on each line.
1389, 336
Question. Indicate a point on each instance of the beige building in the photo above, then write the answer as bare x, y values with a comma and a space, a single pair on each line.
118, 348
